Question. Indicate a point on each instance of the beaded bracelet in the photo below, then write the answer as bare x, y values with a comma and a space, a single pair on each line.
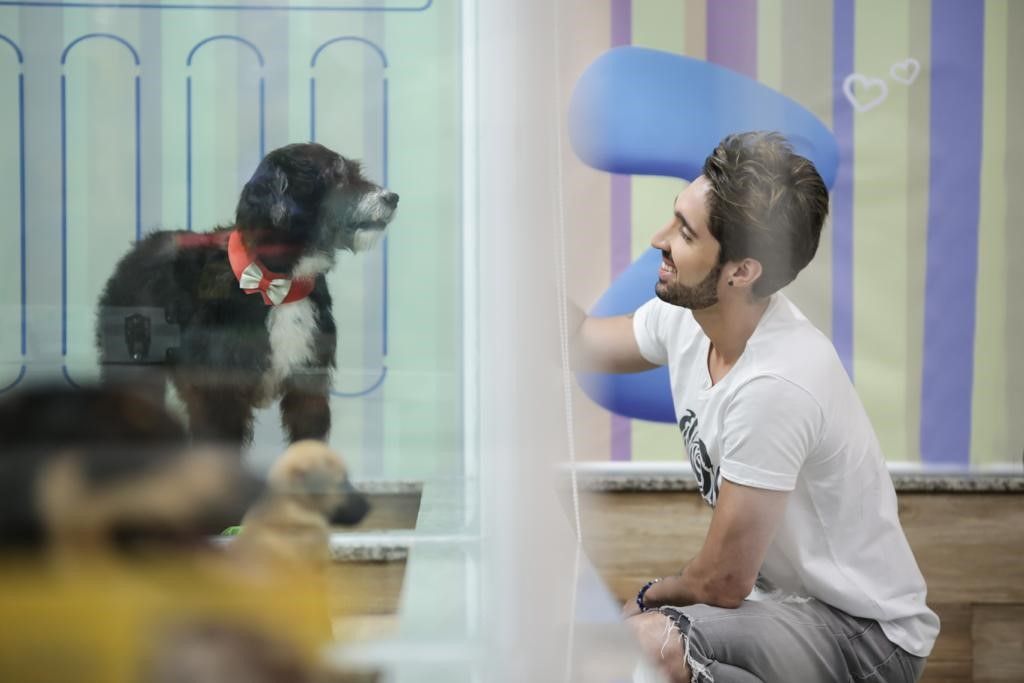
643, 591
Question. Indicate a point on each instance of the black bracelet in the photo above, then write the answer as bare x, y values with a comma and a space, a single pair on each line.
643, 591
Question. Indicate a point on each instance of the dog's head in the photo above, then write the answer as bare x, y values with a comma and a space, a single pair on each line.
305, 200
313, 475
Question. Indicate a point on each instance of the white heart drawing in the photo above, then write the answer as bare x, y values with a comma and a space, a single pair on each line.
866, 85
905, 72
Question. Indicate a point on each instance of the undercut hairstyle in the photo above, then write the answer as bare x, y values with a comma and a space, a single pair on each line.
765, 203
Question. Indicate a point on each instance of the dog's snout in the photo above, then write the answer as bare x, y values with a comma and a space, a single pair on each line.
351, 511
390, 198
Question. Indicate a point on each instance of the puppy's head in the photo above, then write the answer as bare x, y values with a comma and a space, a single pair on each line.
304, 200
314, 476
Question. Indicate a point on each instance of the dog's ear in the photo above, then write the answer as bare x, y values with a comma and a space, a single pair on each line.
263, 203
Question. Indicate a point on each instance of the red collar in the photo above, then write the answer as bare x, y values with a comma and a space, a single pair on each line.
253, 276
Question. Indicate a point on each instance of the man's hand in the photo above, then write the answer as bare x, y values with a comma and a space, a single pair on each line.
630, 609
724, 571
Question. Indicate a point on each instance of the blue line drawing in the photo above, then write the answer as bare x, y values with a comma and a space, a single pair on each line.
21, 199
354, 39
262, 119
63, 218
64, 178
224, 36
21, 192
89, 36
384, 274
373, 387
188, 113
17, 50
229, 7
384, 151
17, 380
188, 153
138, 159
67, 376
22, 205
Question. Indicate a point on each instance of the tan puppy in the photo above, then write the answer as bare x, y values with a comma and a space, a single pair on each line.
309, 491
174, 504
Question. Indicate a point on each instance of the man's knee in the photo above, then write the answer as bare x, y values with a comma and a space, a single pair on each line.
661, 642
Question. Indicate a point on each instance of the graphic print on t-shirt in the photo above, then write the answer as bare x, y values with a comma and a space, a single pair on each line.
707, 475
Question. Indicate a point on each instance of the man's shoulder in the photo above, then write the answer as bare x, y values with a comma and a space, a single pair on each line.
789, 337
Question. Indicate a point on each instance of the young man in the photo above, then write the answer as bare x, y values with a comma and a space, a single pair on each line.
805, 573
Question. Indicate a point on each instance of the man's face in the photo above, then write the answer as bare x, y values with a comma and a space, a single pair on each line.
690, 270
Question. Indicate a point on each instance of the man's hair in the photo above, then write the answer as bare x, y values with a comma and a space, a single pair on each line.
766, 203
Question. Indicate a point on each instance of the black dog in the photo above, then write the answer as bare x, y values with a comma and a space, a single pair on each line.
247, 304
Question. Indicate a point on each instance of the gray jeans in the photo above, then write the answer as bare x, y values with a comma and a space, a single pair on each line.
794, 640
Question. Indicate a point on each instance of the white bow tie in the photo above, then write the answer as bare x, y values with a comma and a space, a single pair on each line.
253, 280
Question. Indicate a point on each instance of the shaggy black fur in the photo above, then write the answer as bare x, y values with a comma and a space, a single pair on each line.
303, 203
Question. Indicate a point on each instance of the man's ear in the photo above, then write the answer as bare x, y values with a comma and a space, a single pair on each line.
263, 203
745, 273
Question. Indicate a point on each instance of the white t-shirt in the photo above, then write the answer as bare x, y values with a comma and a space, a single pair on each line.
787, 418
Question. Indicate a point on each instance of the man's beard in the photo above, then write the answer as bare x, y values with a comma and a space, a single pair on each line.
701, 295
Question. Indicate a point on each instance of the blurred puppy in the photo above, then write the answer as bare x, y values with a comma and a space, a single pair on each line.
96, 468
309, 492
172, 505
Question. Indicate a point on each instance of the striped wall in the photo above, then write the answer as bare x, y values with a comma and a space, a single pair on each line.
914, 279
116, 120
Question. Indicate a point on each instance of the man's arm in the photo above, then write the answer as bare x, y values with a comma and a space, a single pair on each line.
723, 573
604, 344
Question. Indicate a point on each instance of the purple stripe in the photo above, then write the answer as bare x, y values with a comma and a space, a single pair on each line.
622, 238
621, 220
732, 35
622, 22
842, 191
951, 269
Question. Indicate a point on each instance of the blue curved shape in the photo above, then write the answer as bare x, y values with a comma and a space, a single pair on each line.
357, 39
224, 36
119, 39
641, 111
17, 50
373, 387
17, 380
67, 376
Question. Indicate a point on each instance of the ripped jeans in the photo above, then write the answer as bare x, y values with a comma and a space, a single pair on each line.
793, 640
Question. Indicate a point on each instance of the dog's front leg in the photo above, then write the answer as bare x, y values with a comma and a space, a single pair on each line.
305, 410
219, 413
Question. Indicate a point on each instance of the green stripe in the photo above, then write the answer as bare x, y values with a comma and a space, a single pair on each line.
806, 76
989, 429
770, 43
880, 217
659, 25
916, 238
662, 26
1013, 245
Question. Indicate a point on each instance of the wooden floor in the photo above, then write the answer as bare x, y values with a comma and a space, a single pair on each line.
363, 596
970, 548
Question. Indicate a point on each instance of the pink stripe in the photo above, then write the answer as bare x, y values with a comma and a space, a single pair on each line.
732, 35
621, 218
